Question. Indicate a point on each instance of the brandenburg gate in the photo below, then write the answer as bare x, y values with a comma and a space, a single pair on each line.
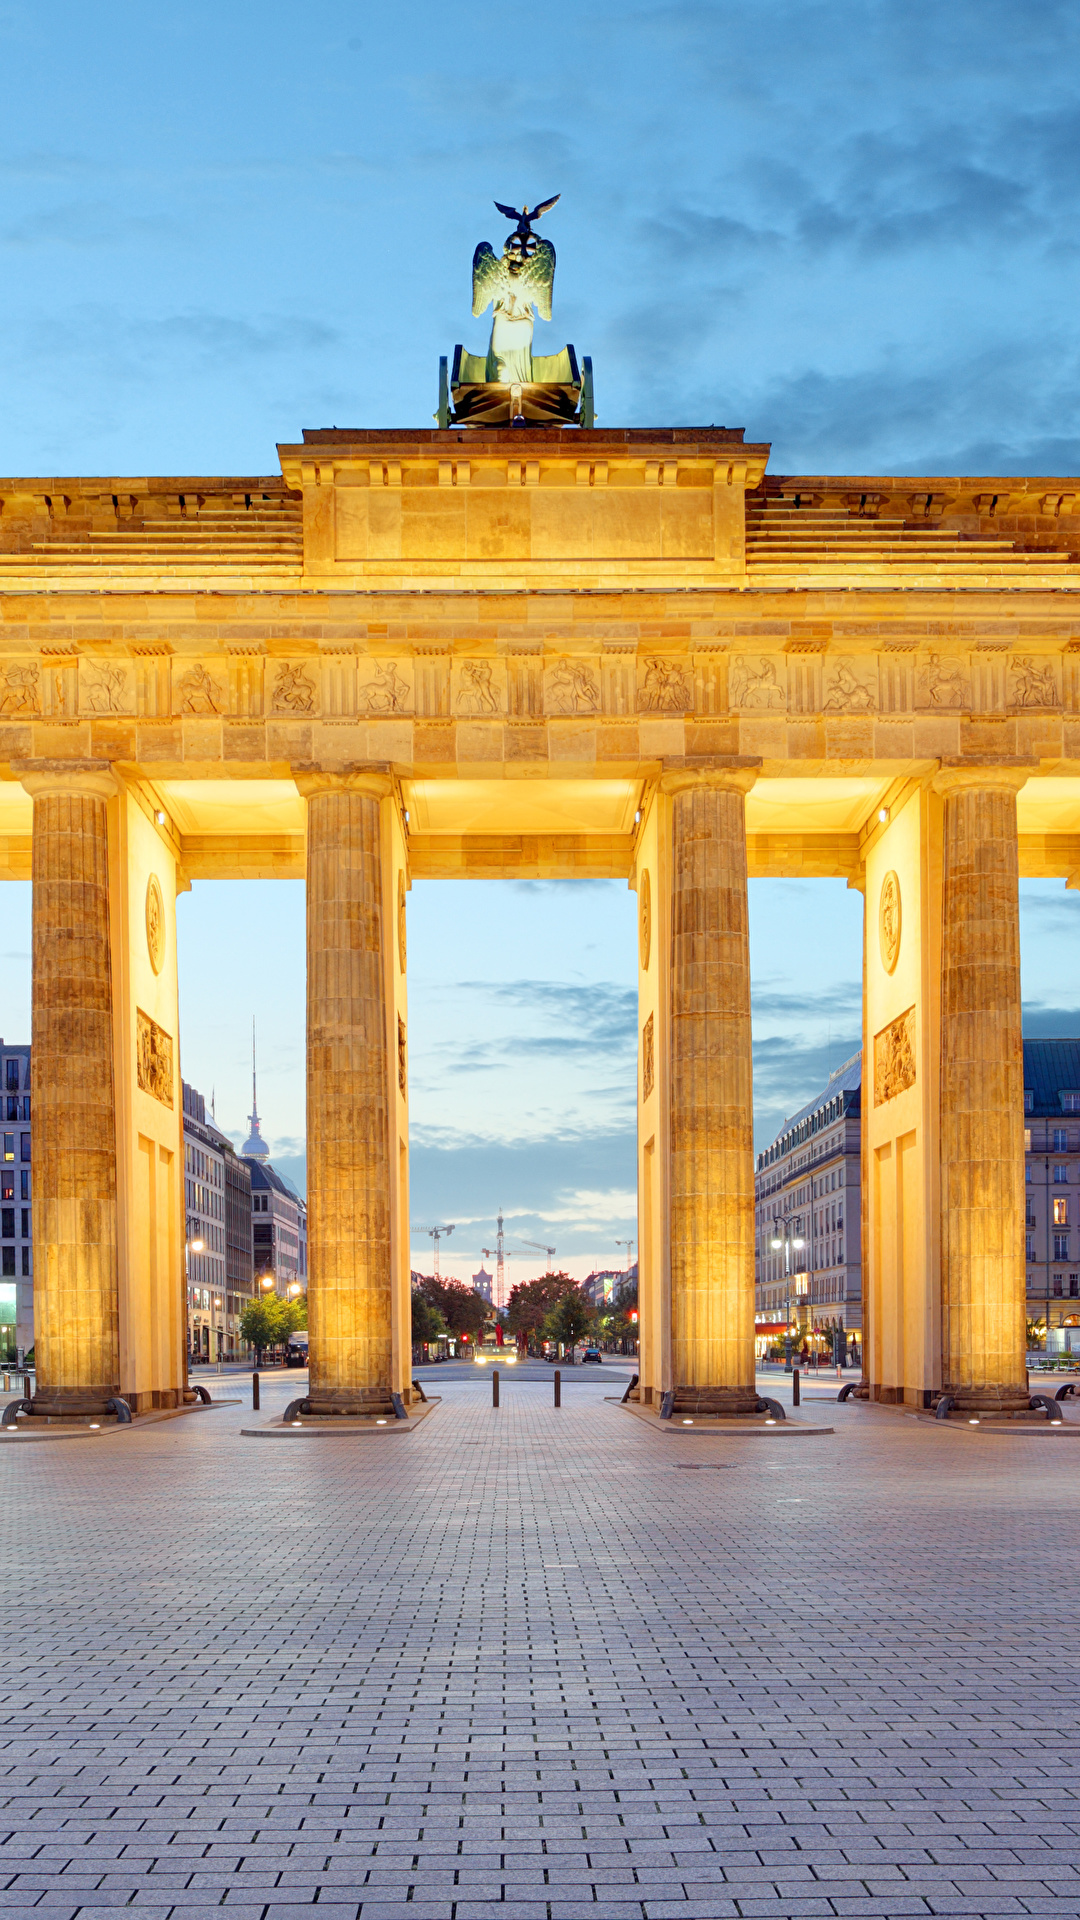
554, 651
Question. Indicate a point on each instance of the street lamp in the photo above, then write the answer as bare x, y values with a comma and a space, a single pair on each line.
787, 1241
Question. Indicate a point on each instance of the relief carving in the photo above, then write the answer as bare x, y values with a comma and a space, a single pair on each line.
647, 1067
572, 687
476, 694
945, 683
894, 1058
386, 692
402, 1059
199, 691
154, 1059
664, 688
889, 921
644, 920
401, 919
105, 687
155, 924
849, 694
1033, 683
293, 691
20, 692
754, 683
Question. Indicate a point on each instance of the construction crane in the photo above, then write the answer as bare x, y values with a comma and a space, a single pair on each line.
629, 1245
550, 1251
436, 1234
500, 1258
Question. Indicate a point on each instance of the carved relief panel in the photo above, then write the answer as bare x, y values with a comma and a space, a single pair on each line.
154, 1059
20, 688
105, 686
848, 686
478, 689
894, 1058
199, 689
572, 686
292, 687
755, 683
663, 686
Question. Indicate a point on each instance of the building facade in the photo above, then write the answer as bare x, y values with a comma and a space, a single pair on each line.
807, 1217
1052, 1188
279, 1232
16, 1236
218, 1237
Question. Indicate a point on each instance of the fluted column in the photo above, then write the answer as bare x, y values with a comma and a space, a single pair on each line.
348, 1085
982, 1093
711, 1158
76, 1304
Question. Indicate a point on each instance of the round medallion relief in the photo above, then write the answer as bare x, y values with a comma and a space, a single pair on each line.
155, 923
889, 921
644, 920
401, 920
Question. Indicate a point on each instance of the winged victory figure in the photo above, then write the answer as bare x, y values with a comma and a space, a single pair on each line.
512, 286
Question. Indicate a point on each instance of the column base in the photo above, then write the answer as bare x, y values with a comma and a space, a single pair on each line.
992, 1403
73, 1403
348, 1400
725, 1403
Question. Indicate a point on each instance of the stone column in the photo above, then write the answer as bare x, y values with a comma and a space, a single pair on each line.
76, 1305
348, 1089
982, 1094
711, 1156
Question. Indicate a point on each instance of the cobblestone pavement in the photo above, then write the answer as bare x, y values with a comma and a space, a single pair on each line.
525, 1663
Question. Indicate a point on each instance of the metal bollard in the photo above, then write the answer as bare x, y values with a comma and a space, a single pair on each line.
255, 1393
7, 1383
795, 1401
494, 1386
558, 1388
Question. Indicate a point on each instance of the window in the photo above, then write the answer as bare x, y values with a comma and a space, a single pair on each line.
7, 1223
1061, 1176
1061, 1246
13, 1075
12, 1106
1029, 1100
1057, 1286
1030, 1246
7, 1263
25, 1150
24, 1184
1070, 1102
25, 1223
1074, 1286
1027, 1172
26, 1106
9, 1146
1061, 1140
1061, 1213
26, 1263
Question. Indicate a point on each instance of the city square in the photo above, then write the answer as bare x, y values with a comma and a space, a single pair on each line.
599, 1434
542, 1663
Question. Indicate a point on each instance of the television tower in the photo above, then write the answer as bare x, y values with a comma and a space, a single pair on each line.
500, 1268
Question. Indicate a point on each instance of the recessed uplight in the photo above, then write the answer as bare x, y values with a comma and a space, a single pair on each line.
637, 817
688, 1423
380, 1423
973, 1423
883, 816
95, 1426
298, 1423
770, 1422
160, 817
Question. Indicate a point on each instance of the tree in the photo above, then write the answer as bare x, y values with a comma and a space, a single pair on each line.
531, 1301
572, 1315
462, 1309
428, 1324
262, 1325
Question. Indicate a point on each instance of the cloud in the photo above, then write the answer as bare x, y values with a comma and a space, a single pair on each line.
1046, 1022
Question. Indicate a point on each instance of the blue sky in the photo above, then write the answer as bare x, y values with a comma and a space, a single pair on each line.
849, 227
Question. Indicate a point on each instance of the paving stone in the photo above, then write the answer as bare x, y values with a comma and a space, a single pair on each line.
518, 1664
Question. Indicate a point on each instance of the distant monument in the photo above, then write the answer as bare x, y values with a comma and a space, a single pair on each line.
511, 385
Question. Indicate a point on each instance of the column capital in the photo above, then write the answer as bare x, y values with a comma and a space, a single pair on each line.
735, 775
376, 781
95, 778
983, 776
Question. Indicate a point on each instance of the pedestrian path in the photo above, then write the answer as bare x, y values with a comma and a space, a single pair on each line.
533, 1663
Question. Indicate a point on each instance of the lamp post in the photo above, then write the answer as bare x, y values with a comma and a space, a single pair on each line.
190, 1247
787, 1240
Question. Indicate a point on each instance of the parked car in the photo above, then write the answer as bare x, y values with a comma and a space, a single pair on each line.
592, 1357
296, 1353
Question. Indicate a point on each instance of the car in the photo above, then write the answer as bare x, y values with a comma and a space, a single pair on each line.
592, 1357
